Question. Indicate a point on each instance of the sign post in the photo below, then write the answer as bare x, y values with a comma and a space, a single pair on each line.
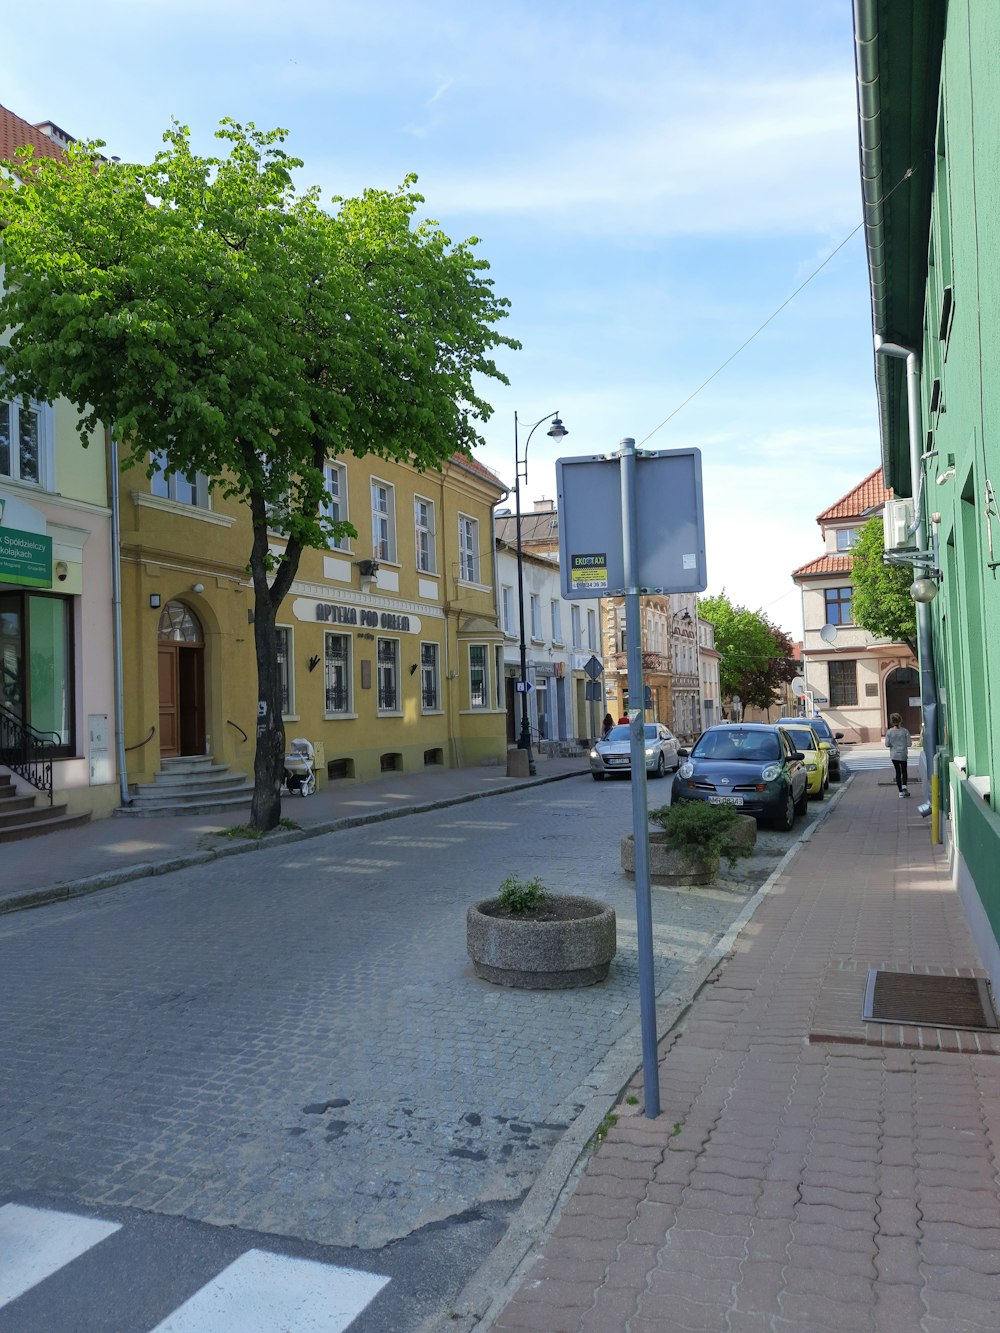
653, 543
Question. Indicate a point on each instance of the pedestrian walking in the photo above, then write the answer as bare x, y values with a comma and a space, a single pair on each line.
897, 740
606, 725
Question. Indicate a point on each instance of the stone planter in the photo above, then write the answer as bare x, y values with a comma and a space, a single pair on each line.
667, 866
532, 954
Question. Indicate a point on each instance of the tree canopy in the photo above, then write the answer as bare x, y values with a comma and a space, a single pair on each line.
881, 601
224, 320
755, 655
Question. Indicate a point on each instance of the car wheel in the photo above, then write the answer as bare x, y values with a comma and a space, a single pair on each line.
802, 804
661, 767
787, 817
598, 777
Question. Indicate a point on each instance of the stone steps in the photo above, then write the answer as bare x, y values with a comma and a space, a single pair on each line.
189, 785
21, 817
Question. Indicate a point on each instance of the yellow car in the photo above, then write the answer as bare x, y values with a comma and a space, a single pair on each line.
816, 754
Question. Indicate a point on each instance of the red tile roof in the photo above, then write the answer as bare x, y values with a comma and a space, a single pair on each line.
16, 133
824, 564
869, 494
480, 469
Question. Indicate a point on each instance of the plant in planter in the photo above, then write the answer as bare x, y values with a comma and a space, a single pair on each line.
533, 939
693, 839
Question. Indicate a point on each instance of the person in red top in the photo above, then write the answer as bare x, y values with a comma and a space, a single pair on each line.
623, 721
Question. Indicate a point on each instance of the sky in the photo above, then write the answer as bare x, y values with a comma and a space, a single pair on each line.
648, 181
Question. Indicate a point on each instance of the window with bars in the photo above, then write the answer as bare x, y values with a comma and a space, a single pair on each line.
337, 674
21, 441
383, 521
430, 679
334, 506
387, 667
285, 690
838, 605
468, 548
843, 684
177, 486
479, 693
423, 525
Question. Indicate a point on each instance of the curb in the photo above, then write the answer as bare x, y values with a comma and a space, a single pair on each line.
485, 1296
109, 879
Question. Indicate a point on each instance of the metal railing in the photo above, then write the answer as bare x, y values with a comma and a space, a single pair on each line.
27, 752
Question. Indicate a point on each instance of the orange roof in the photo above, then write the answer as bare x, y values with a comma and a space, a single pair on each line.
824, 564
16, 133
481, 470
867, 496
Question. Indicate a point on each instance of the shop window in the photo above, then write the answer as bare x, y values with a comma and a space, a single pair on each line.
25, 432
387, 657
337, 674
430, 678
37, 683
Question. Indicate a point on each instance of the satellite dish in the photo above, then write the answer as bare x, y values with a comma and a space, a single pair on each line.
828, 633
798, 687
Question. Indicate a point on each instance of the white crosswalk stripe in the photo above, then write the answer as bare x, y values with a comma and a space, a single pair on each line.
268, 1293
274, 1292
35, 1243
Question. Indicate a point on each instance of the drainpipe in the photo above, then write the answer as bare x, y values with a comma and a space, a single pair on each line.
925, 647
116, 610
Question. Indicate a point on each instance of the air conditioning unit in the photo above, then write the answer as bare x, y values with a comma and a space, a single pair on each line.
897, 520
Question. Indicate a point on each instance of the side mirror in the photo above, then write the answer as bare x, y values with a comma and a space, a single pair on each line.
838, 735
797, 754
683, 754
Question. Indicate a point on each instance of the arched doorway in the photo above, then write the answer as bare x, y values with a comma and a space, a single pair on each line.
181, 667
901, 686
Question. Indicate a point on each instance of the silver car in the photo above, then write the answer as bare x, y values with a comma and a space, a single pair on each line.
613, 754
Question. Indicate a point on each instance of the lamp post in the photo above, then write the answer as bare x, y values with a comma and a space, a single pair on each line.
556, 431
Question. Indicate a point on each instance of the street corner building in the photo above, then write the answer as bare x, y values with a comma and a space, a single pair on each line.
929, 122
389, 653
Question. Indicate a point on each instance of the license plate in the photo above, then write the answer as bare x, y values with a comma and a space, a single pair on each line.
618, 759
725, 800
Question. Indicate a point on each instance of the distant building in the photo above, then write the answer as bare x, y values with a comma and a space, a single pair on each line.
853, 679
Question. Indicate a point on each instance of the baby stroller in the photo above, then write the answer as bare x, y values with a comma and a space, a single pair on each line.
299, 775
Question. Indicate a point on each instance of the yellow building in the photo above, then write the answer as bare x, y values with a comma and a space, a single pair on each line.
390, 655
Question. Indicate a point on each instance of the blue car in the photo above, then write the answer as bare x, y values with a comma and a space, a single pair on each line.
752, 766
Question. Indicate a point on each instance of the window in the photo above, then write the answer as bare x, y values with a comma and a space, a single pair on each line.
507, 608
847, 538
591, 630
423, 524
334, 505
23, 440
556, 623
178, 486
843, 684
479, 693
838, 606
498, 678
430, 679
536, 616
36, 665
285, 669
468, 549
574, 626
383, 521
387, 658
337, 674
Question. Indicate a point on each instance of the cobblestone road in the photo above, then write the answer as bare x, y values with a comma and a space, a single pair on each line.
294, 1041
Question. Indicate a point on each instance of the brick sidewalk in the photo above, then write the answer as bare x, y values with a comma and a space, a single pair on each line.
809, 1171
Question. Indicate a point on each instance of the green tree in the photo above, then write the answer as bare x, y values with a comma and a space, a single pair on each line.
881, 601
220, 317
755, 655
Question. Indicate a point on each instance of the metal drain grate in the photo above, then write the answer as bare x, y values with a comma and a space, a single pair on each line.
929, 1001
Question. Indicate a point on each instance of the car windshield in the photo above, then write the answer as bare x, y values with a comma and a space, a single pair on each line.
617, 734
734, 743
821, 728
802, 738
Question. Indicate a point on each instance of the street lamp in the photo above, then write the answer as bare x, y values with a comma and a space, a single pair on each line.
556, 431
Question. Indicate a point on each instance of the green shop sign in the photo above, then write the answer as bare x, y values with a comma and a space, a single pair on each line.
25, 557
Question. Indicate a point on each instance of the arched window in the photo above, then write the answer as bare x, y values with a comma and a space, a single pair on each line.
178, 624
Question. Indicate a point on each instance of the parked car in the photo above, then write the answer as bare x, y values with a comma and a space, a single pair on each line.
751, 765
824, 731
815, 752
613, 754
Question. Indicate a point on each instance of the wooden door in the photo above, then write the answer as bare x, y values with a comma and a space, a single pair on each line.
191, 699
170, 736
